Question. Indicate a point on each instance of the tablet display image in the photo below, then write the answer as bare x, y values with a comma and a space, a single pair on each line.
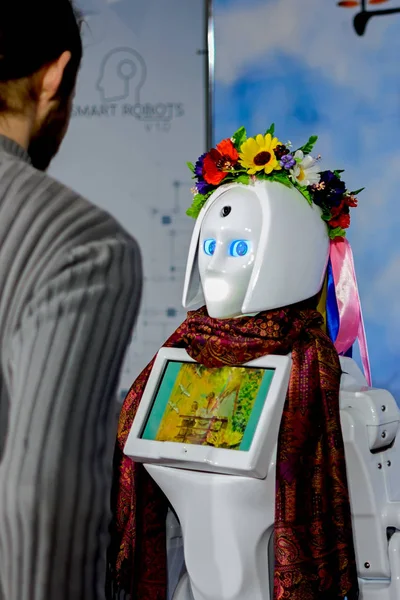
217, 407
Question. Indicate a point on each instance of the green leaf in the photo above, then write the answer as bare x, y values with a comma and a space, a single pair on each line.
230, 178
191, 166
357, 192
337, 173
336, 232
326, 216
306, 193
236, 177
243, 179
271, 130
192, 212
199, 201
310, 144
239, 137
280, 178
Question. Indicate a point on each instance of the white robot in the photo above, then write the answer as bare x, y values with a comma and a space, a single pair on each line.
228, 551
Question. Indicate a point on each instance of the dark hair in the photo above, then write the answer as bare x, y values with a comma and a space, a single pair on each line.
33, 34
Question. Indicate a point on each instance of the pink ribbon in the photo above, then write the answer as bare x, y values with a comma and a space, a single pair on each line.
351, 325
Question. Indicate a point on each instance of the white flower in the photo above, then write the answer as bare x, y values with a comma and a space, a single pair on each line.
305, 172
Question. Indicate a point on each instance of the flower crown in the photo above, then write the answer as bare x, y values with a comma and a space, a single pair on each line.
243, 160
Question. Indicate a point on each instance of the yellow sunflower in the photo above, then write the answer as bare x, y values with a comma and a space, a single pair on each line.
257, 154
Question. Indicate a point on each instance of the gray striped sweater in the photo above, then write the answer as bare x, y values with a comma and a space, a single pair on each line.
70, 286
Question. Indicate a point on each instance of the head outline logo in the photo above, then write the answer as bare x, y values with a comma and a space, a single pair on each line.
123, 68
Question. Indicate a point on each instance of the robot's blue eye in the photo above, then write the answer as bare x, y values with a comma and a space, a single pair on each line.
209, 247
239, 248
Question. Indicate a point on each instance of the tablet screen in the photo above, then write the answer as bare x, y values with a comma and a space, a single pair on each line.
217, 407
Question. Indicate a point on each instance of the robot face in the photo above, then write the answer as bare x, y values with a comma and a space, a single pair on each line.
255, 248
228, 244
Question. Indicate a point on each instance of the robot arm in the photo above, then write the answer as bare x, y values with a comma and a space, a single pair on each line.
370, 421
377, 408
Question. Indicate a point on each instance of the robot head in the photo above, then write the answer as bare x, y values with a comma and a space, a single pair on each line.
255, 247
265, 217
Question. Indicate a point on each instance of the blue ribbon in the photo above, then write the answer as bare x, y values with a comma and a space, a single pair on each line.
349, 352
332, 310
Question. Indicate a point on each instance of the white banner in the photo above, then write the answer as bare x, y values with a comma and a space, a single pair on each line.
139, 116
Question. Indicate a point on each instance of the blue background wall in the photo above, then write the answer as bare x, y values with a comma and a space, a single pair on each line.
301, 65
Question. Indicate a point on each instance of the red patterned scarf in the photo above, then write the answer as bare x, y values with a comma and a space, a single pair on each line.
314, 553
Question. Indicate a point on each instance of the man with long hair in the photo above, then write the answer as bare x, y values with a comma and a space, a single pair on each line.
70, 287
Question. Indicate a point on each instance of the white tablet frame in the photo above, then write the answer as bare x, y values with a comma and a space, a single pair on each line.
252, 463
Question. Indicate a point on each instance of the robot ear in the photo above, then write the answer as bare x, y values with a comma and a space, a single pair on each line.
192, 290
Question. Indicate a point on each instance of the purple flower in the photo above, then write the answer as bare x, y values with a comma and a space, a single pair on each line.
330, 190
198, 168
202, 186
287, 162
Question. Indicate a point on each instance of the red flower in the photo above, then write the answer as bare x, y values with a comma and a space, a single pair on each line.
338, 210
219, 162
342, 221
350, 201
340, 215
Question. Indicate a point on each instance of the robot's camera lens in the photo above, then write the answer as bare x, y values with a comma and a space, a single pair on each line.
226, 211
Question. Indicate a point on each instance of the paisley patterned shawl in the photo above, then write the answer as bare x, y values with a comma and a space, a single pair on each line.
314, 552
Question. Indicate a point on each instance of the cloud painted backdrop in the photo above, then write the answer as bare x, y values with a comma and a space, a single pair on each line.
301, 65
